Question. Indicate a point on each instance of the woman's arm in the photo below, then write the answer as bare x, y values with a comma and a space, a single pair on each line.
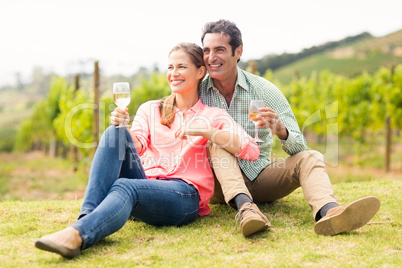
221, 129
223, 138
137, 143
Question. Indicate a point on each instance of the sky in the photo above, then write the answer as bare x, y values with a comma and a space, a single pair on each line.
67, 36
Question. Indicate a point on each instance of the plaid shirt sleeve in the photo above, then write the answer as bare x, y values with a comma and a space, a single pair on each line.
274, 99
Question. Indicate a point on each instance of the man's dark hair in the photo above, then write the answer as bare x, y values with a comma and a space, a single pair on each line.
224, 27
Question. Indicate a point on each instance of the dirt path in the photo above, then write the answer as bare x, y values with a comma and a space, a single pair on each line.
366, 171
32, 176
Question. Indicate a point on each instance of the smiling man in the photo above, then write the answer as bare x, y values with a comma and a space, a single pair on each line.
240, 183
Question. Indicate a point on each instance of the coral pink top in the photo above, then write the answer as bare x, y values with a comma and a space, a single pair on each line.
166, 157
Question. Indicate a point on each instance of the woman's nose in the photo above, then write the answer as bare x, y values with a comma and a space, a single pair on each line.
175, 72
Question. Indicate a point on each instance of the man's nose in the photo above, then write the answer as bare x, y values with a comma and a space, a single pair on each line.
211, 56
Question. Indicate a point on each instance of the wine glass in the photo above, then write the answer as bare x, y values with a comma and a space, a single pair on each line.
121, 93
253, 112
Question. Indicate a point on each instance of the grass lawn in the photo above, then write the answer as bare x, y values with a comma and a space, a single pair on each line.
214, 240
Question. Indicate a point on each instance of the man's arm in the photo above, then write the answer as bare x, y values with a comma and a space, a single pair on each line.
279, 117
269, 119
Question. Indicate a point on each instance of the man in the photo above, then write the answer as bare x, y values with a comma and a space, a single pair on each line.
242, 184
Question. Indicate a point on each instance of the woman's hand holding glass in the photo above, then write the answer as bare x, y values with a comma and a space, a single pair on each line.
121, 93
119, 116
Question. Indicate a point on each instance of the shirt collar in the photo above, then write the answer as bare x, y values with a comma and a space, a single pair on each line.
241, 81
196, 107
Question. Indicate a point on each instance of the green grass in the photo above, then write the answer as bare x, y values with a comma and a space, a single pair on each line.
214, 240
38, 196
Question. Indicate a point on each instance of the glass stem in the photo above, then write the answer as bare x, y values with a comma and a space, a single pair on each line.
256, 131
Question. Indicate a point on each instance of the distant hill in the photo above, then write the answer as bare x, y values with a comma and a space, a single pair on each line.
349, 57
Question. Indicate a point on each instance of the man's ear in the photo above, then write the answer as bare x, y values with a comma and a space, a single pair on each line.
201, 72
239, 52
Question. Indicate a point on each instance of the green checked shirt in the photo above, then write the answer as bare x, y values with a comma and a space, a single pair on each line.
249, 87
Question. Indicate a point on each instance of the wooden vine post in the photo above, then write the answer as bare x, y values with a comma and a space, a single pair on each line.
96, 100
74, 149
388, 133
252, 67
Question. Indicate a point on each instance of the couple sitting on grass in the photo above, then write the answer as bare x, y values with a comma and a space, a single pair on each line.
181, 154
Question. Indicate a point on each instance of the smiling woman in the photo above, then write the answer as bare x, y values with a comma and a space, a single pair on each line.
183, 79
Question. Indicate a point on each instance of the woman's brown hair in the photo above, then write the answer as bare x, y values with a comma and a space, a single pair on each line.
166, 105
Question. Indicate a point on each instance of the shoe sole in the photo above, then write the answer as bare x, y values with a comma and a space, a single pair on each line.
355, 215
48, 245
252, 226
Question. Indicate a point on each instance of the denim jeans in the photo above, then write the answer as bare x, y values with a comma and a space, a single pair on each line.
118, 188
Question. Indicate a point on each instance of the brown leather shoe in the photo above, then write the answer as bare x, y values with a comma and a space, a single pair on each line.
251, 219
48, 245
349, 217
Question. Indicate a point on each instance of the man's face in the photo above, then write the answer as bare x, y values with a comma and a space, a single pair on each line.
218, 57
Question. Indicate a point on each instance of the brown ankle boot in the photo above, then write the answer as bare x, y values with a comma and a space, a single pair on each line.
349, 217
251, 219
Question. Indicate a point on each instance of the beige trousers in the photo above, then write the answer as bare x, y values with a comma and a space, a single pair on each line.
305, 169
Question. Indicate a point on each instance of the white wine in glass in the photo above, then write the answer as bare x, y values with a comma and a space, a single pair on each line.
253, 112
121, 94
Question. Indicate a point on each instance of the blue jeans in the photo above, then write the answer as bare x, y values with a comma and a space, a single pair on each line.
118, 188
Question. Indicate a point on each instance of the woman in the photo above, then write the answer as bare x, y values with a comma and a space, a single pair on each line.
157, 171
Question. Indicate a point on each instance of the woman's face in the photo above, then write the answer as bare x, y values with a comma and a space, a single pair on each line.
183, 76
